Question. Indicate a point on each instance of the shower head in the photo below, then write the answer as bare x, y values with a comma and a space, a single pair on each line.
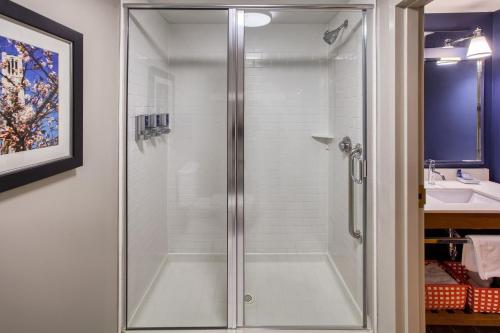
331, 36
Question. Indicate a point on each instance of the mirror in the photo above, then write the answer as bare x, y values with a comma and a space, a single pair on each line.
453, 101
453, 105
453, 112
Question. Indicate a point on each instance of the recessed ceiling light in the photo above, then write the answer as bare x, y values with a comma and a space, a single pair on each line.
256, 19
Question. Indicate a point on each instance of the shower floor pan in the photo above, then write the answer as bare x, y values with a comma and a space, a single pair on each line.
281, 290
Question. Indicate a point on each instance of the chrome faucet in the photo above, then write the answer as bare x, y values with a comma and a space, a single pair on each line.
432, 171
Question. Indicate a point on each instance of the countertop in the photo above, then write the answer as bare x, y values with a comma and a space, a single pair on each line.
486, 188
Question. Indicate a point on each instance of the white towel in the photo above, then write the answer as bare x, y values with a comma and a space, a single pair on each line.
482, 255
434, 274
476, 280
469, 256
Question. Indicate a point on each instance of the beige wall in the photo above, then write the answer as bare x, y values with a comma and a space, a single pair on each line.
58, 236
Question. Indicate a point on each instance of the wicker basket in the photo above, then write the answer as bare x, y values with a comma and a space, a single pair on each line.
445, 296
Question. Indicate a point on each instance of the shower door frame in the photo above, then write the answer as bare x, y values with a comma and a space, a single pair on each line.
235, 156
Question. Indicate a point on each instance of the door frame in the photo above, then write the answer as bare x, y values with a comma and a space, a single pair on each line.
401, 47
235, 154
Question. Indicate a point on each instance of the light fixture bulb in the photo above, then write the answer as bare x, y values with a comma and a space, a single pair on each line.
257, 19
448, 44
478, 47
448, 61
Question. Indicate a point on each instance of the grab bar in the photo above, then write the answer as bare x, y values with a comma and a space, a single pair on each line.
354, 154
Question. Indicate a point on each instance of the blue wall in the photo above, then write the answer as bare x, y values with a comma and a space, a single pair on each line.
458, 22
494, 121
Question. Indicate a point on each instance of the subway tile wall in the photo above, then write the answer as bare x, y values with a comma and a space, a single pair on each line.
197, 173
176, 182
346, 111
146, 160
286, 169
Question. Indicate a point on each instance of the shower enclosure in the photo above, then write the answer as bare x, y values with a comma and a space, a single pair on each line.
247, 167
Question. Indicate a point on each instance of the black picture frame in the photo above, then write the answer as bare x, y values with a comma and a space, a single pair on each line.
34, 20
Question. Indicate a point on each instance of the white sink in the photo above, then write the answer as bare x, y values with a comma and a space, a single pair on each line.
454, 196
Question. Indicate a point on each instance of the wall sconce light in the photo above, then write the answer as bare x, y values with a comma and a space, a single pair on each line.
478, 47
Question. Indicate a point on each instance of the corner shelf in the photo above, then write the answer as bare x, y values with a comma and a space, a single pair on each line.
324, 138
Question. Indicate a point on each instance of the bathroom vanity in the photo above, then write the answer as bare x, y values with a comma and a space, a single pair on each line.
452, 204
457, 206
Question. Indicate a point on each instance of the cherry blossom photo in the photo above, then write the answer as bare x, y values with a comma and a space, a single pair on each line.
41, 97
29, 99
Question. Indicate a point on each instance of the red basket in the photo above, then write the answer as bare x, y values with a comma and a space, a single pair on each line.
456, 270
478, 299
484, 299
445, 296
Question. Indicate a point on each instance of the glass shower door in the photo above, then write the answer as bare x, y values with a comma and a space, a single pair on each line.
176, 168
246, 168
303, 196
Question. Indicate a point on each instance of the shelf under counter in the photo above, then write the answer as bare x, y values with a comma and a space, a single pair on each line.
461, 318
462, 220
472, 216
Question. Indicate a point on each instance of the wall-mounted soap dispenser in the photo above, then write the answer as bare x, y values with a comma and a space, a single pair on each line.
149, 125
152, 125
163, 123
140, 128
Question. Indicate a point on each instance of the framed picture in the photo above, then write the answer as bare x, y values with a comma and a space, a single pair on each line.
41, 72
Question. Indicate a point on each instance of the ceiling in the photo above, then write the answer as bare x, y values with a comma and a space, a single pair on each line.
174, 16
220, 16
462, 6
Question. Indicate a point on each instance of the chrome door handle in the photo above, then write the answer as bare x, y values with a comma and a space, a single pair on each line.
354, 154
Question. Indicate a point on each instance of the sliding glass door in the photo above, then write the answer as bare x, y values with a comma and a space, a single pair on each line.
176, 172
246, 167
303, 93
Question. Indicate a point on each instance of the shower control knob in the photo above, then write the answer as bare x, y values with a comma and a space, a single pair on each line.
345, 145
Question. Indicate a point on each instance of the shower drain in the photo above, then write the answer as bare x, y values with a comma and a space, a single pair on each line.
249, 299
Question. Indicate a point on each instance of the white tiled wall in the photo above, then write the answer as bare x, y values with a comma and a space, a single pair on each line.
197, 176
345, 85
176, 182
286, 170
147, 160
